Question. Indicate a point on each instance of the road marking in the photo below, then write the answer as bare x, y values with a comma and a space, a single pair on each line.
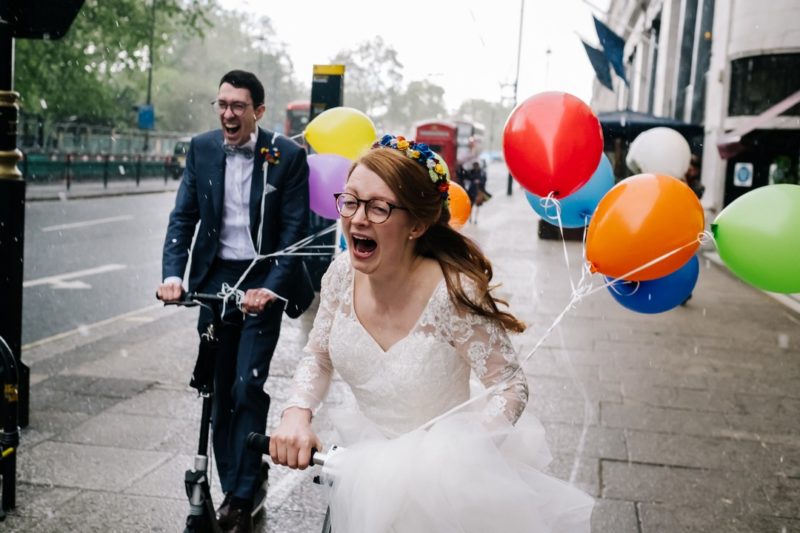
85, 223
57, 281
83, 329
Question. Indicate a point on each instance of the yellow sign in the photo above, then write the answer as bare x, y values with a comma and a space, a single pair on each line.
328, 70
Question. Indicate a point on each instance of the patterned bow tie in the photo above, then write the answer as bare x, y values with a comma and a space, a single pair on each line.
244, 151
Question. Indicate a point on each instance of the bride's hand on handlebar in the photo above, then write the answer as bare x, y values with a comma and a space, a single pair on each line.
291, 442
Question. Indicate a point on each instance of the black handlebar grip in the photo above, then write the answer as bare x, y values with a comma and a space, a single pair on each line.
258, 443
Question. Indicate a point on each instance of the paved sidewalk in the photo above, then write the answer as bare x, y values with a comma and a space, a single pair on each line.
685, 421
35, 192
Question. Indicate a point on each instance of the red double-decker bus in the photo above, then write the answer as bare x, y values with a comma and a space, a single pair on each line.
297, 113
459, 142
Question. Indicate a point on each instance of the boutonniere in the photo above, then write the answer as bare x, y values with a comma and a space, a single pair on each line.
271, 155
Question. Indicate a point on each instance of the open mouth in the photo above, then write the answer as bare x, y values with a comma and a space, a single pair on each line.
232, 129
363, 247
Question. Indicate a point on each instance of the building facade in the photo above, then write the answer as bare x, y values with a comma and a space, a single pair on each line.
730, 66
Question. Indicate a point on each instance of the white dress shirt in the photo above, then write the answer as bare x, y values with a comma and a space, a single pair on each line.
235, 242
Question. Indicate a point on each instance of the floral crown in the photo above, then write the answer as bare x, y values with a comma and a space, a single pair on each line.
423, 155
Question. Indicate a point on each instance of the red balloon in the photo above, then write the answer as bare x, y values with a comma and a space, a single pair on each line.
552, 144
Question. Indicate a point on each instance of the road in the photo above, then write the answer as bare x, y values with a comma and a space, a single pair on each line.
90, 260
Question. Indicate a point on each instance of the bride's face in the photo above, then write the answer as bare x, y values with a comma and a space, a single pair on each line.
373, 246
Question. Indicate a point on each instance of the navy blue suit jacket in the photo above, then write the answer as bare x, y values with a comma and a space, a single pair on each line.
200, 199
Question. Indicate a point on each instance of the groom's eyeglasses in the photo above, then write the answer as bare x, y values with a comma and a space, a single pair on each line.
237, 108
377, 211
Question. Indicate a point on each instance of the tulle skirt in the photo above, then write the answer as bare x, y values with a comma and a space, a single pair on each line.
457, 476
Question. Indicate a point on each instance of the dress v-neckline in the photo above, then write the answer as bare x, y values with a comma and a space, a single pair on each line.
410, 331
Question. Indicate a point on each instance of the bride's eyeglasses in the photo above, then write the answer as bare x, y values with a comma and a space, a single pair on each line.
377, 211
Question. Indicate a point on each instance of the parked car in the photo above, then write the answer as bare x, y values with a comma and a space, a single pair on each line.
176, 163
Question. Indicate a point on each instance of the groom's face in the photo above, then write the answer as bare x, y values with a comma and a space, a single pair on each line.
239, 118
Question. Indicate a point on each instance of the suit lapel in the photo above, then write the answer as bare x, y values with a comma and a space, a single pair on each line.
218, 178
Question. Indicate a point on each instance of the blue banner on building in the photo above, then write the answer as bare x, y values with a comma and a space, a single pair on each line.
613, 47
600, 65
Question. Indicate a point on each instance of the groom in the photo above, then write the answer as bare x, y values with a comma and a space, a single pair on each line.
248, 190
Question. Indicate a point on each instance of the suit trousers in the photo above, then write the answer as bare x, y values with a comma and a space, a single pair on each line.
240, 405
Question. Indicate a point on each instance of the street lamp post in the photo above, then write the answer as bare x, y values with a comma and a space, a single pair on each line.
150, 70
12, 211
516, 78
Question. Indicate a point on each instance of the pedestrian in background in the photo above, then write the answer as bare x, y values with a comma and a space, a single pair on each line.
693, 176
476, 190
247, 188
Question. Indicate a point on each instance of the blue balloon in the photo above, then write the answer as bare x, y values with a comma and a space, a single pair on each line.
658, 295
581, 204
342, 242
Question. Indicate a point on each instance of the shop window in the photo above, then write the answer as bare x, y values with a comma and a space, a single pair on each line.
759, 82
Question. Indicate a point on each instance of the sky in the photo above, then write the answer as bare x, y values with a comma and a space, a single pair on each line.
468, 47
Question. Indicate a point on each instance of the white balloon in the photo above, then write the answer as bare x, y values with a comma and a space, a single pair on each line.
659, 151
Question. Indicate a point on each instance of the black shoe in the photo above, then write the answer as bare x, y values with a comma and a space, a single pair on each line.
240, 521
224, 517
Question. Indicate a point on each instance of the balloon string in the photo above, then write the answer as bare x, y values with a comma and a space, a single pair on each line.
546, 203
580, 292
627, 275
291, 250
298, 136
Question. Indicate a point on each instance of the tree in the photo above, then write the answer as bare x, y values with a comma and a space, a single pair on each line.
191, 67
419, 101
492, 115
102, 61
373, 77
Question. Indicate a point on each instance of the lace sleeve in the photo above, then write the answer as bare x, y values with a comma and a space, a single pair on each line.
485, 345
312, 377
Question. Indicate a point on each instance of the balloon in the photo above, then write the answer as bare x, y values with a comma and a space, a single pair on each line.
580, 204
341, 130
552, 144
460, 206
659, 151
639, 220
758, 237
658, 295
327, 174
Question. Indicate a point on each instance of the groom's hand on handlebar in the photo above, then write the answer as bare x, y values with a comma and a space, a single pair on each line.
255, 300
291, 443
169, 292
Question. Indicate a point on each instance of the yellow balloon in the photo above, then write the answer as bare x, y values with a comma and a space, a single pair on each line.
341, 130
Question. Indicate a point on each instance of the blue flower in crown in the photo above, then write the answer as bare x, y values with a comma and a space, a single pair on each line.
421, 153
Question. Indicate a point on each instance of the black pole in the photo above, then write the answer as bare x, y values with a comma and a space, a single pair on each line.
150, 69
9, 436
509, 190
12, 213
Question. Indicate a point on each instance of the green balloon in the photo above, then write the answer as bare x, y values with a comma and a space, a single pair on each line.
758, 237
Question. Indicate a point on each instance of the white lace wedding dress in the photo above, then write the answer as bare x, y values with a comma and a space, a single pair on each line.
471, 471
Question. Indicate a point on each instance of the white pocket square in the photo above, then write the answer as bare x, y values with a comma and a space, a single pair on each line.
270, 188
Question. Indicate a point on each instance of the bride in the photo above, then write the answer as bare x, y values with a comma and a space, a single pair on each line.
405, 317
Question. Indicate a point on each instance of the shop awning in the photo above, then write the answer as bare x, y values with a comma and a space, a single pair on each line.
629, 124
730, 144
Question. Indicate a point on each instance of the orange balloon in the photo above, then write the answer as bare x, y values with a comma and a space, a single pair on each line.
639, 220
459, 206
